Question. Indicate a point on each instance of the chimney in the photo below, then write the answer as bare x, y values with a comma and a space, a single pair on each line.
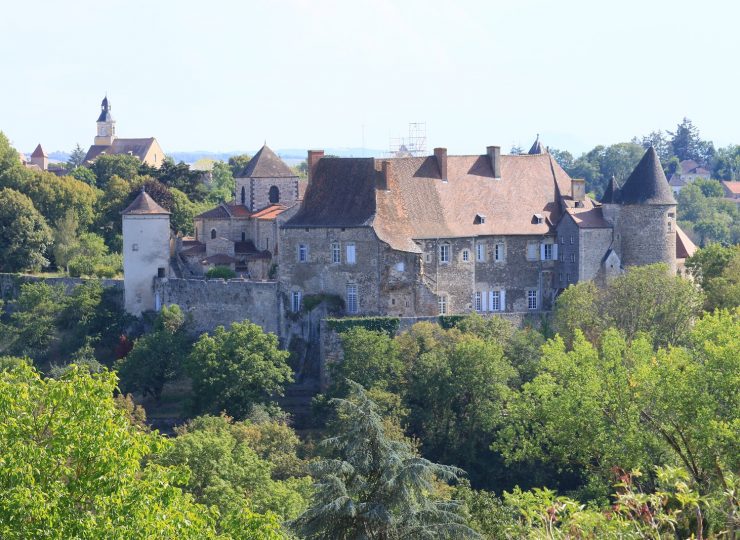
494, 156
386, 175
578, 189
312, 160
441, 155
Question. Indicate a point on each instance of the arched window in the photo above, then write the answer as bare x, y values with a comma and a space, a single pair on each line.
274, 195
244, 196
213, 234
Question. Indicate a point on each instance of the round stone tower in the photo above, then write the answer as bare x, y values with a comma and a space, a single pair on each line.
646, 222
146, 252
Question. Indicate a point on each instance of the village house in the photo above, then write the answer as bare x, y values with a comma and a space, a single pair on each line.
688, 171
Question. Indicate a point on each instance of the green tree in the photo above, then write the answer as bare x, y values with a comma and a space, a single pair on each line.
183, 211
723, 291
370, 359
577, 307
223, 184
107, 166
90, 257
157, 357
709, 262
237, 164
72, 465
234, 369
687, 144
372, 486
33, 320
65, 240
727, 163
76, 157
227, 471
710, 188
603, 162
24, 235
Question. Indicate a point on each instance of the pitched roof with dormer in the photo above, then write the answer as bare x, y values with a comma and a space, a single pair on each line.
144, 205
418, 203
267, 164
647, 184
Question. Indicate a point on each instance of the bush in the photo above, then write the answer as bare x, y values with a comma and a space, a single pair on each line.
389, 325
220, 272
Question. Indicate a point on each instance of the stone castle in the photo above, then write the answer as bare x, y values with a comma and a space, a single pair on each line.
407, 236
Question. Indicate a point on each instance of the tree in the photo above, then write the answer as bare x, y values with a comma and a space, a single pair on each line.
223, 184
72, 464
184, 211
227, 471
709, 262
564, 158
156, 357
83, 174
577, 307
65, 240
106, 166
657, 140
603, 162
710, 188
24, 235
727, 163
372, 486
626, 405
76, 158
234, 369
687, 144
90, 257
238, 163
181, 177
723, 291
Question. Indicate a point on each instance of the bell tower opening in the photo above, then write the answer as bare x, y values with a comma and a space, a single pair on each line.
274, 195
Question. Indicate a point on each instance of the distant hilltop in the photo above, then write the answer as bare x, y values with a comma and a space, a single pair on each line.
290, 155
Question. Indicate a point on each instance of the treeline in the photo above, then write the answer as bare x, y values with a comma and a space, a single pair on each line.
703, 212
618, 418
72, 223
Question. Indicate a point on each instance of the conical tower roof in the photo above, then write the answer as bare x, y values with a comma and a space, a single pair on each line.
537, 147
647, 184
267, 164
144, 204
39, 152
612, 194
105, 115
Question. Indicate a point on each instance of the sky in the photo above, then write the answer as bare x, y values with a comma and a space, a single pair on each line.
229, 75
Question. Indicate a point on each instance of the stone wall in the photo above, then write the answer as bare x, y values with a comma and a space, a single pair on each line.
213, 303
647, 237
10, 284
569, 246
259, 191
594, 244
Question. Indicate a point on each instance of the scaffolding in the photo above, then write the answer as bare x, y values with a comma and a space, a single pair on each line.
413, 145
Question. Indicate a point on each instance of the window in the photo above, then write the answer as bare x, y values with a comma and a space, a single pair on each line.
244, 196
561, 277
160, 272
480, 252
499, 252
352, 306
561, 257
336, 253
562, 239
134, 247
478, 301
443, 304
267, 243
244, 236
303, 253
444, 253
532, 251
480, 219
295, 301
538, 218
351, 254
495, 303
573, 257
532, 299
546, 252
567, 277
571, 238
274, 194
213, 234
427, 257
400, 266
465, 255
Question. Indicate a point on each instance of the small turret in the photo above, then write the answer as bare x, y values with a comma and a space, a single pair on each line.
39, 158
537, 147
106, 125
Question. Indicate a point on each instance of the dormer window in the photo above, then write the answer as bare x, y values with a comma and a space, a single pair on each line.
480, 219
538, 219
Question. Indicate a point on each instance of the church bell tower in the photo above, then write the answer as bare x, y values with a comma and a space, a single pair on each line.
106, 125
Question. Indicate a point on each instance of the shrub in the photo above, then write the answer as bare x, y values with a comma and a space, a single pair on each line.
220, 272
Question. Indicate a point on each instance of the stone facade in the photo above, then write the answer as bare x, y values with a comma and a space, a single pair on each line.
648, 235
259, 193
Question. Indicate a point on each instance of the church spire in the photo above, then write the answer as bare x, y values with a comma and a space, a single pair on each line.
106, 124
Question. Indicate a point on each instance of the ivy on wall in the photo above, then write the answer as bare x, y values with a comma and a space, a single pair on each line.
389, 325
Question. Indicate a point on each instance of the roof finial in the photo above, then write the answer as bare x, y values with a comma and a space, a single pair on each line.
143, 188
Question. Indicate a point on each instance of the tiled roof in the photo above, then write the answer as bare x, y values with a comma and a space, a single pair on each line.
244, 246
685, 248
588, 218
267, 164
419, 204
226, 211
144, 204
238, 210
270, 212
135, 147
647, 183
194, 249
731, 187
39, 152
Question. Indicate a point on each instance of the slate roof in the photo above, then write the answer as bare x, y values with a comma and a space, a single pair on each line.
419, 204
194, 249
226, 211
105, 115
611, 194
537, 147
267, 164
39, 152
588, 218
144, 204
685, 248
219, 258
677, 181
136, 147
647, 183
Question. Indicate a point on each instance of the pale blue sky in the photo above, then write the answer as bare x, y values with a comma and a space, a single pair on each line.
226, 75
